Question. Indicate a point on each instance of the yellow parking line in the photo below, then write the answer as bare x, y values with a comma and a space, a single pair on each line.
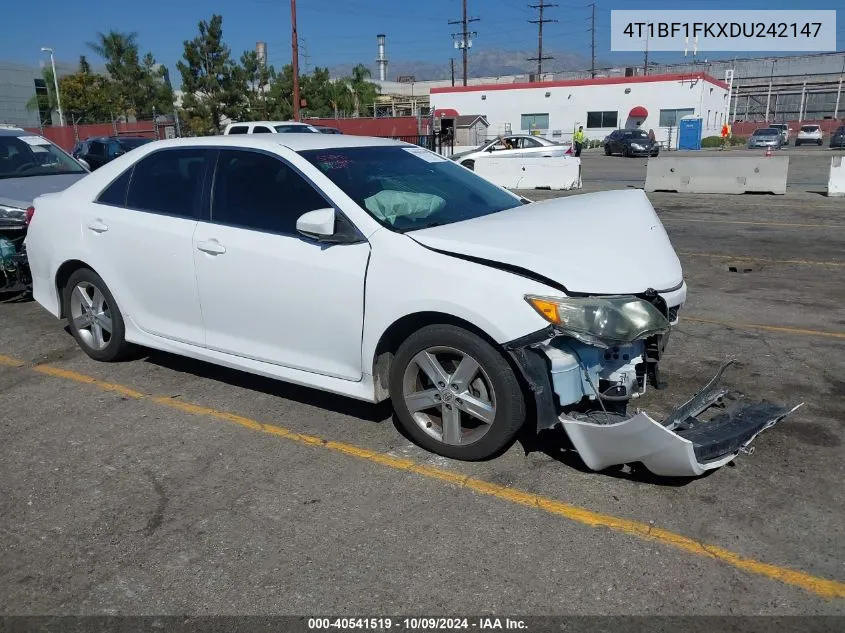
664, 217
8, 361
813, 584
745, 258
769, 328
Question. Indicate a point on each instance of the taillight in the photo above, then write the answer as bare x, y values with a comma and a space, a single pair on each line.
29, 213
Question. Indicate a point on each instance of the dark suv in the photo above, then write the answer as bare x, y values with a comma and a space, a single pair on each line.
630, 143
837, 139
97, 151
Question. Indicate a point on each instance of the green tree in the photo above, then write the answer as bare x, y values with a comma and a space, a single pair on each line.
120, 52
86, 96
156, 92
253, 79
364, 91
209, 79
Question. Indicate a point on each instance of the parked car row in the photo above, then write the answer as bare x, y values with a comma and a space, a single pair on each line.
153, 249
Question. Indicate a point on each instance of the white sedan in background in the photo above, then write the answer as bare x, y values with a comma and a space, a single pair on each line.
376, 269
519, 145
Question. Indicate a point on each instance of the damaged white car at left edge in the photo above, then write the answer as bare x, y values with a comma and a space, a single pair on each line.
381, 270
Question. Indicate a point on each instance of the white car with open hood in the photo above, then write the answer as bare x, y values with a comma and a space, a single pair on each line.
375, 269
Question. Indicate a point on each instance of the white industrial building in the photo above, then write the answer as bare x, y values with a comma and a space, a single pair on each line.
556, 108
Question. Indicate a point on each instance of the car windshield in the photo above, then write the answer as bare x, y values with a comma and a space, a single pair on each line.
840, 130
132, 143
809, 128
286, 129
766, 132
409, 188
24, 156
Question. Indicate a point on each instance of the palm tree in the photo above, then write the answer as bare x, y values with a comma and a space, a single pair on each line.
363, 90
120, 52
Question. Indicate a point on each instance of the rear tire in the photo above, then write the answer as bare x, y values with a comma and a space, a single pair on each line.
606, 150
820, 142
93, 317
455, 394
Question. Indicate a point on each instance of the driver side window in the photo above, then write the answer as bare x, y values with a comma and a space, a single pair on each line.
261, 192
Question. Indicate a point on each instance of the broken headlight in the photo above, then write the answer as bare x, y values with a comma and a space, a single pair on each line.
12, 214
601, 320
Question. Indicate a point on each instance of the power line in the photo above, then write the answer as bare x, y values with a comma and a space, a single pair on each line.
465, 36
540, 22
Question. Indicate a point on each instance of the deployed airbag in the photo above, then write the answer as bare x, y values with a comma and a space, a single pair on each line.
388, 205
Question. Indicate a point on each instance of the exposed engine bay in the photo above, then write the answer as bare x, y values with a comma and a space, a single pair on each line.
601, 355
14, 270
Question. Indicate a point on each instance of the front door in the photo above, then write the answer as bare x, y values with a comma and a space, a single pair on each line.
268, 293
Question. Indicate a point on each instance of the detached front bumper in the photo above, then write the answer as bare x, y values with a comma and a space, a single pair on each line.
682, 445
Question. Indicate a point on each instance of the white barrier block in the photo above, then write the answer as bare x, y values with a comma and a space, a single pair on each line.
836, 181
705, 174
558, 173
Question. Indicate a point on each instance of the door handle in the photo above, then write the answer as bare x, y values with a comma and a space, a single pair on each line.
98, 226
212, 247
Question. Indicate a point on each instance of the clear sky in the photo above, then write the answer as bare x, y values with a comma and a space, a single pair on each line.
335, 31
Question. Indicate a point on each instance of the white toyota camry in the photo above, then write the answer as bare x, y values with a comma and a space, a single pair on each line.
376, 269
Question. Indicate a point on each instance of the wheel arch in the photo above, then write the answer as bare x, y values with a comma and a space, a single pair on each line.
400, 329
63, 274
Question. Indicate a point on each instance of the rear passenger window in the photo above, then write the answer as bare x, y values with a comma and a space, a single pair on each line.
239, 129
169, 181
261, 192
115, 193
260, 129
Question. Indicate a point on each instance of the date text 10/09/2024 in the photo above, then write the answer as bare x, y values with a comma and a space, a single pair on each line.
416, 624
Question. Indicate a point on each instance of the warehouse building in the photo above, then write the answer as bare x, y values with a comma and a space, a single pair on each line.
555, 109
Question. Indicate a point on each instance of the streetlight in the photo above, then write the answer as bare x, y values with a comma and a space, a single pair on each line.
45, 49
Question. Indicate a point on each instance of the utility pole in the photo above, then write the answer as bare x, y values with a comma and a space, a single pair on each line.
540, 22
593, 41
453, 71
295, 63
463, 40
645, 62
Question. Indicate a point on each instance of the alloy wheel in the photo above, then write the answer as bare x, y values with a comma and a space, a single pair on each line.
91, 315
449, 395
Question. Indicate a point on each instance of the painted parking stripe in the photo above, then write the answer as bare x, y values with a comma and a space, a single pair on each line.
803, 262
819, 586
769, 328
664, 217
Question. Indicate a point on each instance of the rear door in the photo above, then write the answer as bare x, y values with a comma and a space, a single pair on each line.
139, 232
268, 293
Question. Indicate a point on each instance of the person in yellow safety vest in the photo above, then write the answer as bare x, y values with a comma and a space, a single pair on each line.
725, 132
578, 140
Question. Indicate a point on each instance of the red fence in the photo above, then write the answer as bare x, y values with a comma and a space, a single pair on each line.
65, 136
386, 126
746, 128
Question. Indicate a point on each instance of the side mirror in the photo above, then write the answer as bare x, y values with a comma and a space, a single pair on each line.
84, 163
119, 152
324, 225
318, 224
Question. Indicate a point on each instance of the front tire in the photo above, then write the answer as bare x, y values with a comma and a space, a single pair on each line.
455, 394
625, 151
93, 316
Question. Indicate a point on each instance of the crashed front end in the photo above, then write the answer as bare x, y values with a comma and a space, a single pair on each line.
602, 352
14, 267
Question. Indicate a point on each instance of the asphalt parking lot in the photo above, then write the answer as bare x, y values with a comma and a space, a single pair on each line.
162, 485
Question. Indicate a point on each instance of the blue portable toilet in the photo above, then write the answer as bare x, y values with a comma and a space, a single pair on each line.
689, 132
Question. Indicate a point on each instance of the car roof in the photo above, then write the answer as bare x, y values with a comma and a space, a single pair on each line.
11, 131
270, 123
296, 142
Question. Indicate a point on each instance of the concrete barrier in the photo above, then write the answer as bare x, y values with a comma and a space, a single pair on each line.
741, 174
836, 180
559, 172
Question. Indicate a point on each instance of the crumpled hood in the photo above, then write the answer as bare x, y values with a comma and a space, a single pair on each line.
610, 242
20, 192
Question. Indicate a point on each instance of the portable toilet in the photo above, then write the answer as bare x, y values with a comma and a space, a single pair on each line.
689, 132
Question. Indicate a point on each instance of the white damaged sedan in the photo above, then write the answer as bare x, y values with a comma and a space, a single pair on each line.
376, 269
